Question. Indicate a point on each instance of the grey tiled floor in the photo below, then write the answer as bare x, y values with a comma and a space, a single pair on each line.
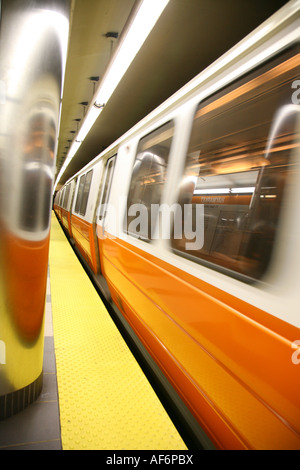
38, 426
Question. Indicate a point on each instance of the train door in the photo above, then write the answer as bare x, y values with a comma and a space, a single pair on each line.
81, 221
103, 203
70, 204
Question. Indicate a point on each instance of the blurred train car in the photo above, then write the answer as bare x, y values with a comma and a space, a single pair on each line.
191, 220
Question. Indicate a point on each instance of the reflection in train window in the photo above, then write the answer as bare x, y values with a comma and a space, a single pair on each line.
79, 194
109, 170
83, 193
147, 181
66, 197
238, 161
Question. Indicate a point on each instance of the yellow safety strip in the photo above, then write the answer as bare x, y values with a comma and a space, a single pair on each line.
105, 400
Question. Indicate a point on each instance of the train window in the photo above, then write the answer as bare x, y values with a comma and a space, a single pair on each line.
109, 170
66, 196
236, 170
147, 181
79, 194
85, 192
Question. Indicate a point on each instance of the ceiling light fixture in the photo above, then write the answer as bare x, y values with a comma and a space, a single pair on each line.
144, 20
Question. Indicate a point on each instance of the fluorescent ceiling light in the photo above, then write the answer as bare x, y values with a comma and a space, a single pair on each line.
88, 122
249, 189
143, 22
226, 191
145, 19
212, 191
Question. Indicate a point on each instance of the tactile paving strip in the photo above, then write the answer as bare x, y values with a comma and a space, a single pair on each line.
105, 400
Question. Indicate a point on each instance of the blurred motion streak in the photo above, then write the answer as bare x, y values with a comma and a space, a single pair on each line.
32, 61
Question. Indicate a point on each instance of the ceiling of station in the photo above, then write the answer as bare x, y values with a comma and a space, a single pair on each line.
189, 36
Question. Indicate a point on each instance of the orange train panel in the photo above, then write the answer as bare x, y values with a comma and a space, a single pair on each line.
232, 360
57, 210
83, 235
66, 220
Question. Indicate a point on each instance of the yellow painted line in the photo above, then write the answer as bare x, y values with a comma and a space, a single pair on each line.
105, 400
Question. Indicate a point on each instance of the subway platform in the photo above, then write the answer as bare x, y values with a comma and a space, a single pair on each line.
95, 395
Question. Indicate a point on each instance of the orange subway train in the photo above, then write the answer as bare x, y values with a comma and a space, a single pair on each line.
189, 224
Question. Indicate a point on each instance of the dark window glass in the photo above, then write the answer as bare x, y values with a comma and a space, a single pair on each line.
237, 167
109, 170
79, 194
147, 181
66, 196
85, 192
